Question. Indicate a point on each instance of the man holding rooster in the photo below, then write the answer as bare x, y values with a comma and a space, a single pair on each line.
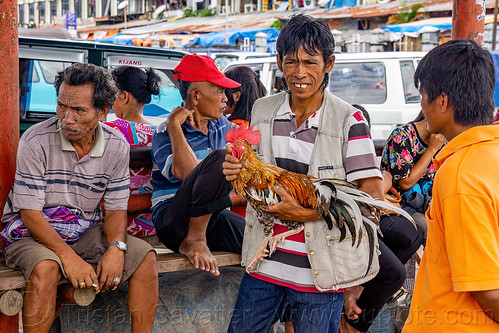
308, 130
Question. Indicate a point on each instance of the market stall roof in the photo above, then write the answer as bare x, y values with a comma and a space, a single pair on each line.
265, 19
210, 23
217, 38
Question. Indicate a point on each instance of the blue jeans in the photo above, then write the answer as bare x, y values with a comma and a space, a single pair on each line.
260, 304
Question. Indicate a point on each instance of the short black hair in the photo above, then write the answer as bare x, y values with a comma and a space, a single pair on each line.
141, 84
183, 88
251, 89
80, 74
464, 72
312, 34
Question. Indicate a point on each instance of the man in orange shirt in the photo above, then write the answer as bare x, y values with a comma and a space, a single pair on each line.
457, 288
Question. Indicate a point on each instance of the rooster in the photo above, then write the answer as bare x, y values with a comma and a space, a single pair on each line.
337, 201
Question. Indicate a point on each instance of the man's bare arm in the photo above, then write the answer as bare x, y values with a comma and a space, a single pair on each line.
372, 186
77, 270
183, 158
489, 302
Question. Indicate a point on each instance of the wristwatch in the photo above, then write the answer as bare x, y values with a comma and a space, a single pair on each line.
119, 244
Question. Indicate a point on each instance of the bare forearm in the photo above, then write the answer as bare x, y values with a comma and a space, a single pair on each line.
417, 170
372, 186
489, 302
183, 158
42, 231
387, 181
115, 223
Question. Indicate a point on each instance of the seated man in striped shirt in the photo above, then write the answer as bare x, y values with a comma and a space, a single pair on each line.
190, 197
54, 223
307, 129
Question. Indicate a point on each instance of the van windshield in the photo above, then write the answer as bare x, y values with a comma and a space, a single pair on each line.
361, 83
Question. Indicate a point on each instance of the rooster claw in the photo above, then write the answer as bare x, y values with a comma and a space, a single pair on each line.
254, 263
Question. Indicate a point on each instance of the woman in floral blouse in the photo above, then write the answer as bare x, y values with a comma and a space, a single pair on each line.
408, 155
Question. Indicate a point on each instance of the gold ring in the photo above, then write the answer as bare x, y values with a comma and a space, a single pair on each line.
116, 280
83, 285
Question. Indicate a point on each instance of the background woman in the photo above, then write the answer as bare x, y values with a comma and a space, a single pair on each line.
135, 87
240, 100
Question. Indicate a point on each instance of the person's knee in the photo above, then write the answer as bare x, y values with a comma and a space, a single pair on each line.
392, 275
219, 154
398, 275
148, 268
216, 157
45, 274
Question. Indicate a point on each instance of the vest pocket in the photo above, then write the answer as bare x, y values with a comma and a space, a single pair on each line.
331, 171
351, 263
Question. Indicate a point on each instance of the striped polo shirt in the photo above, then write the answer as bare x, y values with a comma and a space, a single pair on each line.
289, 265
49, 173
164, 184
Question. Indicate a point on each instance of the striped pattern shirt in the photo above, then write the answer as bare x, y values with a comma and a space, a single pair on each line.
289, 265
50, 174
164, 184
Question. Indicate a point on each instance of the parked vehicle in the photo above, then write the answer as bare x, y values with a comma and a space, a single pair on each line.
223, 59
41, 58
381, 82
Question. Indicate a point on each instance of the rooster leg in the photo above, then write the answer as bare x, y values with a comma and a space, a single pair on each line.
281, 237
260, 254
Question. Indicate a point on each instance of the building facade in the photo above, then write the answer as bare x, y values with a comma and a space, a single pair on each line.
51, 12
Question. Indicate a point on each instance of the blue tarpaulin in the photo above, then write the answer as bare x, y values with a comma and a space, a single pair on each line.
415, 27
344, 3
118, 39
218, 38
495, 56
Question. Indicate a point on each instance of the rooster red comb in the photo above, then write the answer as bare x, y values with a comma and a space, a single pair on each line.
249, 135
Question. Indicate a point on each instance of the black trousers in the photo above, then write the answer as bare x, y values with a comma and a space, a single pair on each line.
204, 191
399, 242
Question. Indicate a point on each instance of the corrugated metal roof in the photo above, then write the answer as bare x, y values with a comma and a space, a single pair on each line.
265, 19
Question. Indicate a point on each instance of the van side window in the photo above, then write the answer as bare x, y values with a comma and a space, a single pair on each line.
51, 68
36, 87
411, 93
361, 83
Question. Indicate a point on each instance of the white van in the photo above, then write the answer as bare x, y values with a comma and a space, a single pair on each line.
382, 82
223, 59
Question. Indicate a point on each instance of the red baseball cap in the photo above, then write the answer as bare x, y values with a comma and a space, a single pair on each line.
199, 68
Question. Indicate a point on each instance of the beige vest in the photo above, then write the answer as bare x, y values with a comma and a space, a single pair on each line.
334, 265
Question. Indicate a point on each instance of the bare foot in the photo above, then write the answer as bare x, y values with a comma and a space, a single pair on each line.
200, 256
345, 327
352, 294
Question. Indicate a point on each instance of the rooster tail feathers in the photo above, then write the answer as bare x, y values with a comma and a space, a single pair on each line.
370, 236
385, 206
349, 222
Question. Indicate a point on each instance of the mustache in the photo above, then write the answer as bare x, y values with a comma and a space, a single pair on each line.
72, 129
